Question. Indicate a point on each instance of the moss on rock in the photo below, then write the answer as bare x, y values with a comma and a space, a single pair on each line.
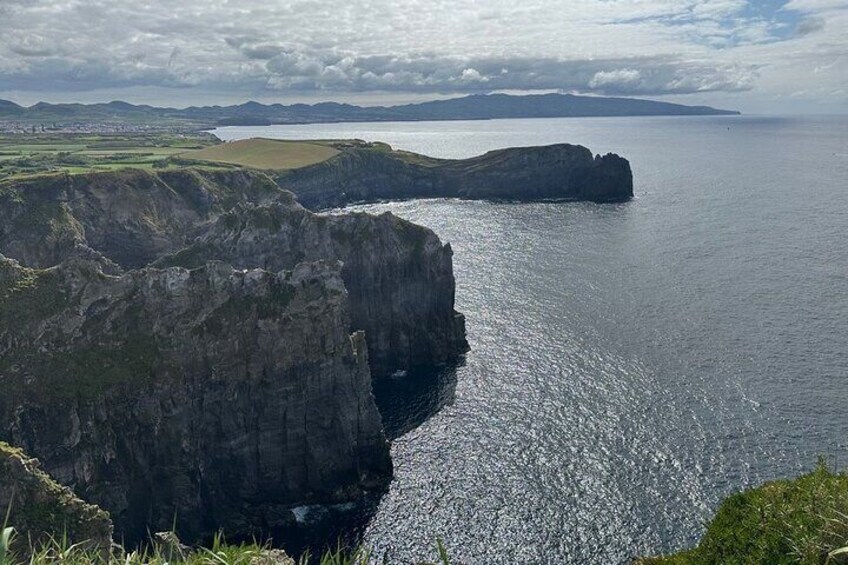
41, 509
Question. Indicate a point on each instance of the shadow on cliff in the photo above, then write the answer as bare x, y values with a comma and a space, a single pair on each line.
405, 402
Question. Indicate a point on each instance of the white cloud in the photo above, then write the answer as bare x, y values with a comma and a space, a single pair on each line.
620, 77
816, 5
638, 47
472, 75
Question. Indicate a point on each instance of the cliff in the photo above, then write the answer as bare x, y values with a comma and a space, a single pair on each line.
222, 397
40, 508
399, 275
157, 380
131, 216
373, 172
195, 343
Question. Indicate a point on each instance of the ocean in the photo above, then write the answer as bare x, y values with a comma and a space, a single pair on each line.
631, 364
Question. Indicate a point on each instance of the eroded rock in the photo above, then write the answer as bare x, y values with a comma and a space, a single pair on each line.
39, 508
218, 396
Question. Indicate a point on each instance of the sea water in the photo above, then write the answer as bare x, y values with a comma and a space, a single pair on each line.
631, 364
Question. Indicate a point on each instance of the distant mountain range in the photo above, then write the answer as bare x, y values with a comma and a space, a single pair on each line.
474, 107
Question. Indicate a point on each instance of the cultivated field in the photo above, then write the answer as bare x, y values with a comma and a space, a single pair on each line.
265, 153
24, 154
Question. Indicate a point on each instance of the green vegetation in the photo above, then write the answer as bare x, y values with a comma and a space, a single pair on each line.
59, 550
24, 155
269, 307
34, 296
268, 154
801, 522
37, 504
28, 154
28, 294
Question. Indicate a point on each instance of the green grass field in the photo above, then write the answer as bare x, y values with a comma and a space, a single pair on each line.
24, 155
802, 521
265, 153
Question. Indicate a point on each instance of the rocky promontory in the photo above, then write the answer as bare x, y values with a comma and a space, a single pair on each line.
369, 172
194, 343
220, 396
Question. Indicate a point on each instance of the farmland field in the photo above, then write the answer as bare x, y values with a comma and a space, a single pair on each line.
22, 155
265, 153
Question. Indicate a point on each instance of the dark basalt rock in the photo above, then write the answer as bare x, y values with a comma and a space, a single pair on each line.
373, 172
220, 396
398, 274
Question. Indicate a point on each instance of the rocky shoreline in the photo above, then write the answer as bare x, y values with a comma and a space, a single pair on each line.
370, 172
195, 343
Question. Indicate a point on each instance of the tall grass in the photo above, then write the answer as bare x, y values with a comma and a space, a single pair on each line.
59, 550
803, 521
7, 535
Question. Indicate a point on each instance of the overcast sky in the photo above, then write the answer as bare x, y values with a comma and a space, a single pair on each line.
757, 56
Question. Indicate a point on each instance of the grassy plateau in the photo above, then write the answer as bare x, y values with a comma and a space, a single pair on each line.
23, 155
265, 153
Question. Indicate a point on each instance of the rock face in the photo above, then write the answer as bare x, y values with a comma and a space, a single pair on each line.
222, 397
195, 344
399, 275
225, 394
41, 508
131, 217
372, 172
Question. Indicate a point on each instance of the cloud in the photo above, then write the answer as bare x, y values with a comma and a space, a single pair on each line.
337, 47
473, 75
816, 5
303, 70
807, 26
30, 44
620, 77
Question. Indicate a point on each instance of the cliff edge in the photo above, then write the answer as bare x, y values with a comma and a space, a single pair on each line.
399, 275
220, 396
369, 172
39, 508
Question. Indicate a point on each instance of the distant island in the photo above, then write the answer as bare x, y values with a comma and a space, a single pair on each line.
44, 116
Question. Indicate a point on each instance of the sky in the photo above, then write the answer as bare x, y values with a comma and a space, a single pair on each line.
769, 56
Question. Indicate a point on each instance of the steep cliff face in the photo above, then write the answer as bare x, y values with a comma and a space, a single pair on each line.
219, 396
542, 173
40, 508
399, 275
372, 172
130, 216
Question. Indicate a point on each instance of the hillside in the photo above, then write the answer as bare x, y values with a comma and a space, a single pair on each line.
802, 521
474, 107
